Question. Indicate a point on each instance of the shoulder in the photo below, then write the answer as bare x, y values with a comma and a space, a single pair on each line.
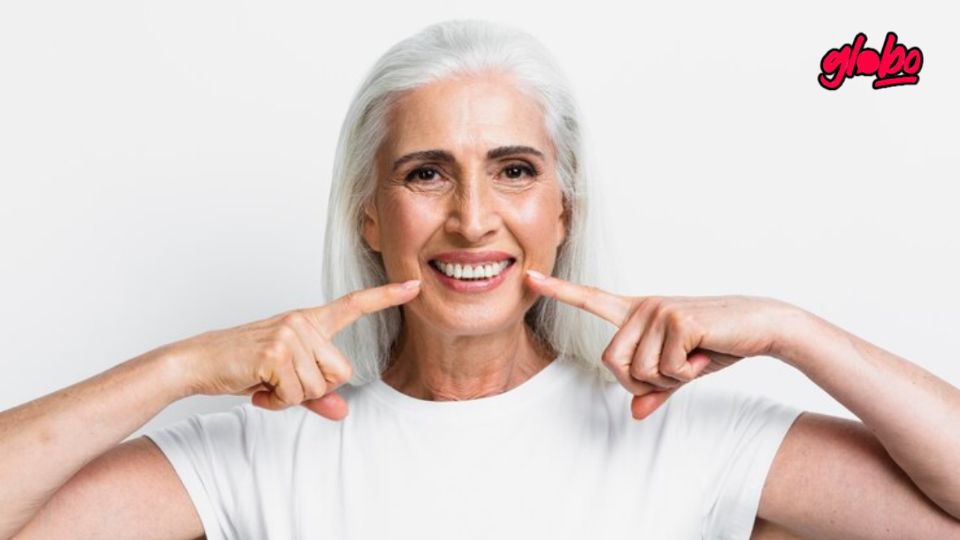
239, 433
701, 403
712, 433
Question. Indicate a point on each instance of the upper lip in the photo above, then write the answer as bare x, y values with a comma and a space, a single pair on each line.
471, 257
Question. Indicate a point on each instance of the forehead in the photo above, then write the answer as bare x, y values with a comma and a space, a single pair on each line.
466, 114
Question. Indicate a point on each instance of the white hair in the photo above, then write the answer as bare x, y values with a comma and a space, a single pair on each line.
441, 50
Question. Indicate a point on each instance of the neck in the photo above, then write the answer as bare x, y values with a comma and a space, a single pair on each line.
430, 365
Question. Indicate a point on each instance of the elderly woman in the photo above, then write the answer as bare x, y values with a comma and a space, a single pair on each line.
485, 397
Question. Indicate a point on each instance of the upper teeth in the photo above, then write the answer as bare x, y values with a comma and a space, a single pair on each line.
474, 271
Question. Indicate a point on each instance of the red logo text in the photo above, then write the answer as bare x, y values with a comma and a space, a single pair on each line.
894, 65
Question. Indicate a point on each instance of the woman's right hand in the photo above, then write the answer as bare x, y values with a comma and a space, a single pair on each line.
288, 359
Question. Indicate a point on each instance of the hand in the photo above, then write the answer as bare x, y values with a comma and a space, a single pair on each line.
664, 342
288, 359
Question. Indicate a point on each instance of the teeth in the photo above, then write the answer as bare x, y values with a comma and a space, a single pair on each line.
466, 271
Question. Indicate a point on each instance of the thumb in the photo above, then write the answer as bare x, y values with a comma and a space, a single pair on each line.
331, 406
698, 362
643, 406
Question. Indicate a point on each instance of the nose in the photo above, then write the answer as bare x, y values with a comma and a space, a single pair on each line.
474, 213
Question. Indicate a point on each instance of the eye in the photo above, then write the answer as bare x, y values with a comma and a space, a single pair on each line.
514, 172
517, 170
422, 173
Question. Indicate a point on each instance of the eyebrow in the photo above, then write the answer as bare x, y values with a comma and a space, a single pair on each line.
447, 157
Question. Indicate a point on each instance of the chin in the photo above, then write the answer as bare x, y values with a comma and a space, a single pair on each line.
475, 320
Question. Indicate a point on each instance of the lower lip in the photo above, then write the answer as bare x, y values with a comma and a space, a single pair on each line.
475, 286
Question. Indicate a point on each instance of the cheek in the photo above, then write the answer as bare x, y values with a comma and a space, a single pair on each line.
535, 222
407, 225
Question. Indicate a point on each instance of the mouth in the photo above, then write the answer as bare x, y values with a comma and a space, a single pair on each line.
472, 272
471, 278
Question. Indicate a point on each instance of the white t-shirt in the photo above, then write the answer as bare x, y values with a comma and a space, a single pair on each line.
558, 456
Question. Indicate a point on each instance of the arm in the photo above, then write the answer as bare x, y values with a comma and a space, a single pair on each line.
284, 360
58, 438
896, 474
765, 530
664, 342
131, 491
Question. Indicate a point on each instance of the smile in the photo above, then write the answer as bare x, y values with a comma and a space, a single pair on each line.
471, 271
472, 277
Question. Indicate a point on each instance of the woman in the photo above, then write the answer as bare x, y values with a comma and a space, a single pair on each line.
486, 398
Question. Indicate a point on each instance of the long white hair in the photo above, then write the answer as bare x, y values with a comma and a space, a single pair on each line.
457, 47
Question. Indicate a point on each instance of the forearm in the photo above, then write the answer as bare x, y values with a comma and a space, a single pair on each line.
914, 414
46, 441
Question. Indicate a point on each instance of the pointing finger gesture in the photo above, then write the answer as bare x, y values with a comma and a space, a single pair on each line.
288, 359
663, 342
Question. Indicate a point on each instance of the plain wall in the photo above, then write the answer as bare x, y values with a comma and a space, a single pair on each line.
165, 167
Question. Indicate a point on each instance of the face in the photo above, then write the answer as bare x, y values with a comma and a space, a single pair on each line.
467, 167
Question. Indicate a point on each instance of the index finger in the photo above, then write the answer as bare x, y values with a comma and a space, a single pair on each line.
345, 310
601, 303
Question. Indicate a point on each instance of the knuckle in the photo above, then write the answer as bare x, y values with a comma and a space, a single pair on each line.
295, 397
643, 309
350, 301
651, 301
676, 373
661, 308
293, 319
337, 373
638, 317
274, 351
643, 372
608, 357
314, 391
284, 333
677, 320
589, 296
346, 372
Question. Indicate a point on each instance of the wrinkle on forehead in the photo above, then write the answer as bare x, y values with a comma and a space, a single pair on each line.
465, 114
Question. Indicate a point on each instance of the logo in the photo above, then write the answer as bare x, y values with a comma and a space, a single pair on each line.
895, 65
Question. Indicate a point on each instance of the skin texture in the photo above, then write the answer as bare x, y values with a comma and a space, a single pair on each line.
454, 345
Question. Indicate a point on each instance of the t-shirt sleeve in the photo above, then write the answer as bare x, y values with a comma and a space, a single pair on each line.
213, 455
735, 437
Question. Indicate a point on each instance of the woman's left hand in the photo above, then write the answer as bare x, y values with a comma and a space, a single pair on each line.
666, 341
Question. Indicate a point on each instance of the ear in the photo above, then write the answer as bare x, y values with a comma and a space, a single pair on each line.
370, 230
563, 224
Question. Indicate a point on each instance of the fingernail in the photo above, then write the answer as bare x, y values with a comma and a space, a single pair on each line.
412, 284
536, 275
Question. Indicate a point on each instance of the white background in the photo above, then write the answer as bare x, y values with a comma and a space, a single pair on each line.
165, 166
